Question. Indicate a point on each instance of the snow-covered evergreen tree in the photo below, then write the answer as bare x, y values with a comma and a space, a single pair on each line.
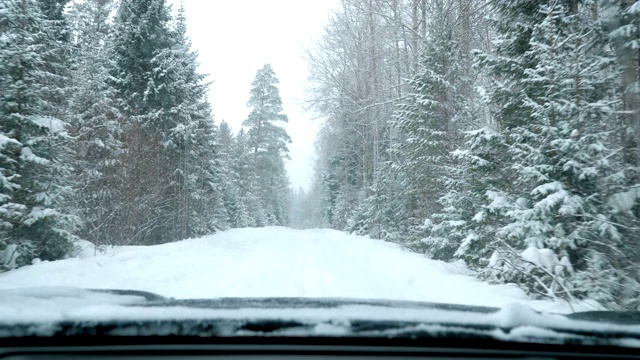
268, 141
383, 214
485, 189
170, 174
622, 22
428, 124
248, 211
231, 182
141, 34
56, 79
554, 224
34, 170
190, 140
95, 127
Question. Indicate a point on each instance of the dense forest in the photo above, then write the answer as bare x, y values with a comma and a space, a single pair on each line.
505, 133
106, 133
501, 133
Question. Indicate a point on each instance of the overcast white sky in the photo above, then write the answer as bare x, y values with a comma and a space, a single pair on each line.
235, 38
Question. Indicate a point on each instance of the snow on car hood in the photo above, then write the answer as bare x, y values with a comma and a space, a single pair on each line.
49, 311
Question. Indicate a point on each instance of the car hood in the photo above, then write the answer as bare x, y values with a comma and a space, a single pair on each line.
42, 312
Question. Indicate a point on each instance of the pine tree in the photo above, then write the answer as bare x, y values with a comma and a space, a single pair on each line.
10, 211
170, 176
383, 215
56, 79
206, 181
623, 24
248, 211
554, 227
231, 182
95, 128
34, 172
141, 32
427, 123
268, 141
485, 186
190, 139
340, 180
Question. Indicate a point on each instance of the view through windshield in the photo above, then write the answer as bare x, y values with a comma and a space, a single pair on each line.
473, 152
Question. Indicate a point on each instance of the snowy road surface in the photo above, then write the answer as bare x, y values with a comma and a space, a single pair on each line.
272, 262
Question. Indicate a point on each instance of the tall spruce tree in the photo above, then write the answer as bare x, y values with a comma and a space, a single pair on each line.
247, 182
623, 25
141, 33
427, 124
96, 126
170, 177
488, 187
56, 59
190, 140
232, 184
34, 169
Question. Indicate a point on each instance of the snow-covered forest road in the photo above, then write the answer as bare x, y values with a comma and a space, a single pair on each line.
272, 262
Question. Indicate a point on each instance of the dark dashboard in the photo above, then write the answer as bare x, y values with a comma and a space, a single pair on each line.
139, 325
296, 348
